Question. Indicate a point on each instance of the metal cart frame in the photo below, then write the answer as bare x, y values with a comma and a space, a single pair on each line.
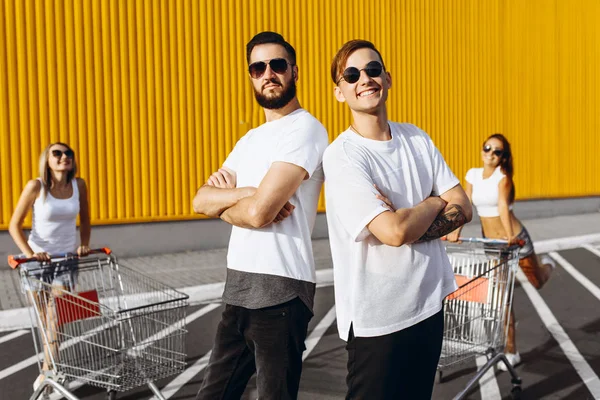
111, 326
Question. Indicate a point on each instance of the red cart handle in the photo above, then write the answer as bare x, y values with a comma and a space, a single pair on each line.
15, 261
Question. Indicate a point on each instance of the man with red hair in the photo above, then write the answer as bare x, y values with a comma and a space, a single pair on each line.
390, 197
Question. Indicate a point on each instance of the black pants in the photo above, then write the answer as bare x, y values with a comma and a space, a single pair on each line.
268, 341
401, 365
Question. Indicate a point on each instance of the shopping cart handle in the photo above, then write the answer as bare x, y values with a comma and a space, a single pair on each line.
15, 261
520, 242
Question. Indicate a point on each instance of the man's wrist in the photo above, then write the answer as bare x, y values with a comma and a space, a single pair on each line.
439, 203
248, 191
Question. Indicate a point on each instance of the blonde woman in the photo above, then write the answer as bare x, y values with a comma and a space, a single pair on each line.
492, 192
55, 199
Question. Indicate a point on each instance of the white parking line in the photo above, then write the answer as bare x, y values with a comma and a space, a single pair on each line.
317, 333
592, 249
311, 342
488, 385
172, 328
582, 279
68, 343
588, 376
75, 384
176, 384
12, 336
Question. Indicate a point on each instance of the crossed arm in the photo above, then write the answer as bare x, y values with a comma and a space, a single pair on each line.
429, 220
250, 207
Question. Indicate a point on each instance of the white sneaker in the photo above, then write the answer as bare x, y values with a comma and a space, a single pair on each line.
513, 358
546, 259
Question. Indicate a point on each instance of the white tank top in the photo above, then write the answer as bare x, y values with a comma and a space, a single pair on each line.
485, 191
53, 227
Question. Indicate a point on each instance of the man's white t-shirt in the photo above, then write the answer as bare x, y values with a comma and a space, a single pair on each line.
282, 249
382, 289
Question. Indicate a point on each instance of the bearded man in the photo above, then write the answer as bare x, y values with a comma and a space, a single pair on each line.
268, 189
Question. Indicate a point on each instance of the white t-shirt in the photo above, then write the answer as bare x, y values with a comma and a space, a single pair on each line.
53, 227
285, 248
485, 191
382, 289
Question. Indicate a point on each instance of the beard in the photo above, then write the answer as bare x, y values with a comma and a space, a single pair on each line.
277, 101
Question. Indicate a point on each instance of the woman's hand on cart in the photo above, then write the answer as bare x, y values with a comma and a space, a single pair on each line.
514, 240
41, 256
83, 251
16, 261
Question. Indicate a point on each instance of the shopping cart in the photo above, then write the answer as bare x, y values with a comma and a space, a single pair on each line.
476, 315
112, 327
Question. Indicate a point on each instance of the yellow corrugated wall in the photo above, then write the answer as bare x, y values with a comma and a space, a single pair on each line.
153, 94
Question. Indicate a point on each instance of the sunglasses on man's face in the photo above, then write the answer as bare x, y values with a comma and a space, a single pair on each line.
352, 74
497, 152
278, 65
59, 153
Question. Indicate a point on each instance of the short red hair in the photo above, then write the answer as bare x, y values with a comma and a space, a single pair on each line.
341, 57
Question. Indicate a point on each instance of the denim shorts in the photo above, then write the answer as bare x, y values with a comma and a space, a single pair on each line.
56, 274
527, 248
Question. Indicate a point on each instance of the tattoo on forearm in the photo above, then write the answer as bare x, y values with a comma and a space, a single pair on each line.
448, 220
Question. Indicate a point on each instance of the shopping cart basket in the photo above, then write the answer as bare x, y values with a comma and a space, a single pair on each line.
112, 327
476, 315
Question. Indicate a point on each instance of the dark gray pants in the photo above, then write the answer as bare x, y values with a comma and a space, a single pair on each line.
401, 365
269, 341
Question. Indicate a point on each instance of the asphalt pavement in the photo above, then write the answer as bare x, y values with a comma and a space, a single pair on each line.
558, 331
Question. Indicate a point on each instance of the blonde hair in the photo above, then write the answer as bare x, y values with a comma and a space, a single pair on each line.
46, 175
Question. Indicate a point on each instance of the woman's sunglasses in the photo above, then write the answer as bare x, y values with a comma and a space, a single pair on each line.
278, 65
352, 74
59, 153
497, 152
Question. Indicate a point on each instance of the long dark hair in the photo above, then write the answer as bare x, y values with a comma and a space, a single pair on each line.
506, 163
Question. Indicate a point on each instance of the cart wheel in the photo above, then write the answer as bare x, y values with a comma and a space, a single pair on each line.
111, 395
439, 378
515, 393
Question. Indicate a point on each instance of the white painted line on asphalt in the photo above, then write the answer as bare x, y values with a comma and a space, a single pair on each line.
66, 344
11, 320
317, 333
324, 277
579, 277
592, 249
172, 328
311, 341
588, 376
13, 335
566, 243
74, 385
488, 385
33, 359
176, 384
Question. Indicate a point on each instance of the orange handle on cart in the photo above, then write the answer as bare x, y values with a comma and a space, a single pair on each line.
15, 261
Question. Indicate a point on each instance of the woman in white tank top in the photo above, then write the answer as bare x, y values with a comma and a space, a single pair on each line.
492, 192
56, 198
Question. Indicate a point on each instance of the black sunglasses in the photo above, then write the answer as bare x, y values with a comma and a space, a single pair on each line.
352, 74
278, 65
58, 153
497, 152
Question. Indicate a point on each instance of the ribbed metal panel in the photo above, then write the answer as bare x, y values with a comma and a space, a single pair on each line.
153, 94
